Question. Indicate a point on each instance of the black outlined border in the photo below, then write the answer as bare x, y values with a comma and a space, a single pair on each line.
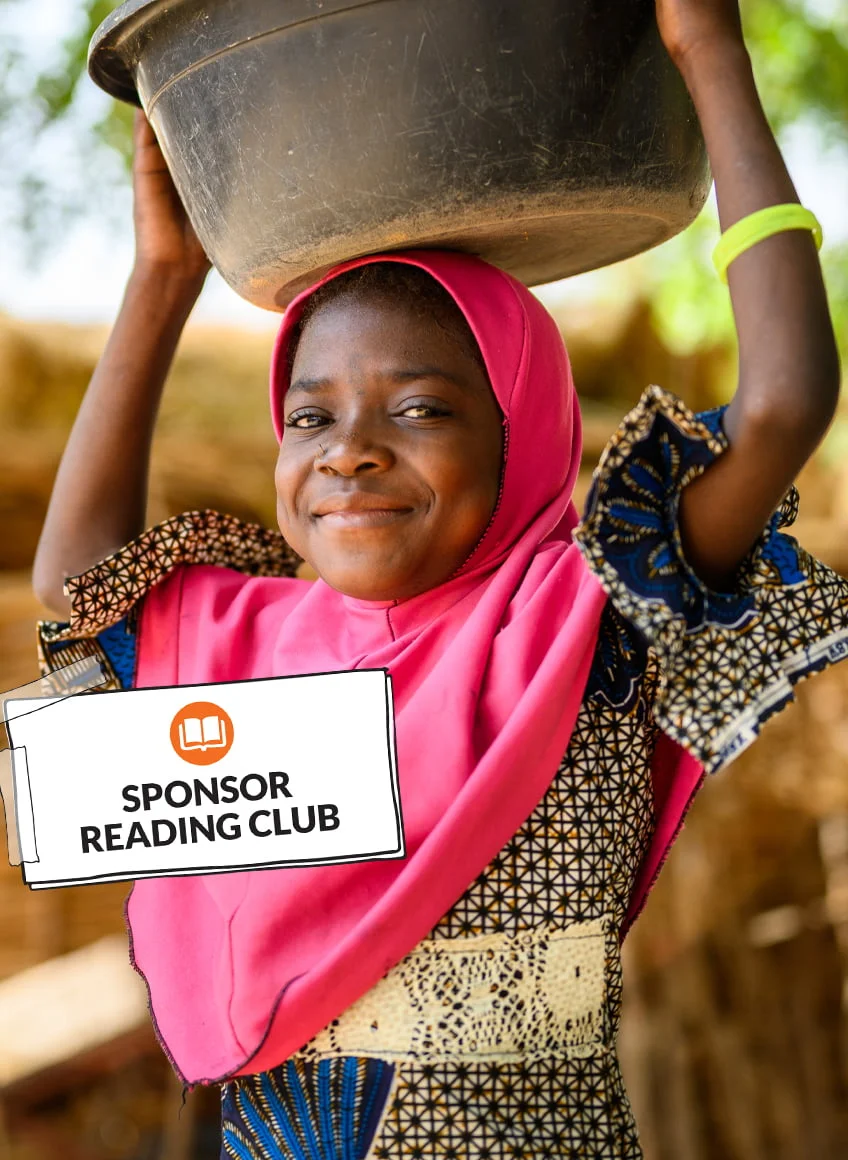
393, 854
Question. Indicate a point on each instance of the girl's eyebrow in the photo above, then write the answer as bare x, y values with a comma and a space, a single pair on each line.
311, 386
427, 373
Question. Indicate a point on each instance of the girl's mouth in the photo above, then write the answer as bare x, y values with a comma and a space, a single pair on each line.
364, 517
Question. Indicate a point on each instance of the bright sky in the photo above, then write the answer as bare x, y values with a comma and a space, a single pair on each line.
83, 279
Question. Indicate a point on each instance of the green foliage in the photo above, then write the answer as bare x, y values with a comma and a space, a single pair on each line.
52, 140
53, 95
55, 90
801, 62
691, 308
801, 66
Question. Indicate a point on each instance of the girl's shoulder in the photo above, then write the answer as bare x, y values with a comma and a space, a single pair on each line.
727, 660
106, 598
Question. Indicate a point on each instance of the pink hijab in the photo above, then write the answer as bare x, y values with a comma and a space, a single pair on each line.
488, 673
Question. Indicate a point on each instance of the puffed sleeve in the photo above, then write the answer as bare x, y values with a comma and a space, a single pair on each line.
106, 600
727, 661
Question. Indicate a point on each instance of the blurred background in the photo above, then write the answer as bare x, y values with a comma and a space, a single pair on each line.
734, 1034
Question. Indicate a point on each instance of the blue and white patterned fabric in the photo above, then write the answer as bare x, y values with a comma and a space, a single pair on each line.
327, 1109
728, 660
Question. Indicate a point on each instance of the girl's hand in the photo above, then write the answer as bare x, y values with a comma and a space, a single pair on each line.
687, 24
99, 498
164, 236
788, 360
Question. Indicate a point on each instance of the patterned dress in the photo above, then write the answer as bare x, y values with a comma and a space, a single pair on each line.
495, 1037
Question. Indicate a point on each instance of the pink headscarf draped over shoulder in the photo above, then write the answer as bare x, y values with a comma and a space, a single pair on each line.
488, 673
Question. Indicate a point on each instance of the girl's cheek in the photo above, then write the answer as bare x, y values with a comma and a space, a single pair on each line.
283, 474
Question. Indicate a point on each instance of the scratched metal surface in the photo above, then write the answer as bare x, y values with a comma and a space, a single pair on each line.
548, 136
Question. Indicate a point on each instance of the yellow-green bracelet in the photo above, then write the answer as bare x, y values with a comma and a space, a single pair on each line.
762, 224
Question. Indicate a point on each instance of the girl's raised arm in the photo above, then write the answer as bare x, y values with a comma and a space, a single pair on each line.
788, 361
99, 498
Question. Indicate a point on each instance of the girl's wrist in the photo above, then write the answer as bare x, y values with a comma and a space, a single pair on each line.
168, 276
166, 289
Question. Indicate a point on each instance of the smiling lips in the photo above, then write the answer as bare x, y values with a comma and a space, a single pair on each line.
359, 510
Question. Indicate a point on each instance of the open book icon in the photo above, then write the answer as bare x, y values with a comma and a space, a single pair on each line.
206, 733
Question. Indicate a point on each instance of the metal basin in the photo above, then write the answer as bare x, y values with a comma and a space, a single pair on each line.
547, 136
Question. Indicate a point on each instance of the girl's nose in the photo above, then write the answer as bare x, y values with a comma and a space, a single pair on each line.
352, 450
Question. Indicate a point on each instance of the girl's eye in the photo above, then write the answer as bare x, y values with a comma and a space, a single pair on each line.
294, 420
311, 420
427, 407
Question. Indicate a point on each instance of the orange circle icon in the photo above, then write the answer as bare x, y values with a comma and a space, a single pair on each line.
202, 733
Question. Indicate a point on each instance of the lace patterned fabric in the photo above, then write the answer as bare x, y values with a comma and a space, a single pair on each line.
506, 1076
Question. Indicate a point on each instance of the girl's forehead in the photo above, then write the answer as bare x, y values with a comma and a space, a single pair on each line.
377, 325
374, 307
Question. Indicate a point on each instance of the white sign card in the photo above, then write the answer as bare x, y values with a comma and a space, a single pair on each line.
199, 779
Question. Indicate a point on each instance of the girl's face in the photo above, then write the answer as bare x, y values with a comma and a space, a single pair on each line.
390, 461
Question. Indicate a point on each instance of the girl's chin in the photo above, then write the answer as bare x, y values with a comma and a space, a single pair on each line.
362, 591
378, 583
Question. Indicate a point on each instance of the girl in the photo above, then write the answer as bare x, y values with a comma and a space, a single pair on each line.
560, 690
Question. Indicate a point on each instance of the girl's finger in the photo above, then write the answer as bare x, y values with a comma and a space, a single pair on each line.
143, 130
